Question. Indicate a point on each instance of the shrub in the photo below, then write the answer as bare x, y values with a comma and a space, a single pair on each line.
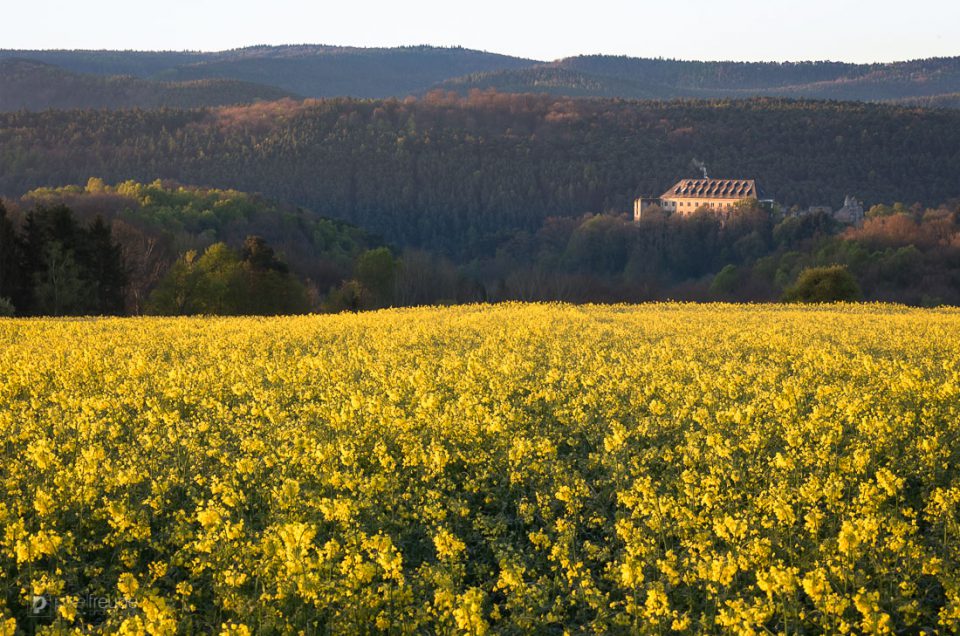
823, 285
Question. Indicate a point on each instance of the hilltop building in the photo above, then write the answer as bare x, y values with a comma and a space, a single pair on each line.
689, 195
850, 214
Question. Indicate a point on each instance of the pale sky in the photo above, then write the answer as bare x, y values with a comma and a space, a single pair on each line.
846, 30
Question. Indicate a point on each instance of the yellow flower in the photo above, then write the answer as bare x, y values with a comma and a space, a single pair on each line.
209, 517
657, 604
127, 585
609, 465
447, 545
849, 539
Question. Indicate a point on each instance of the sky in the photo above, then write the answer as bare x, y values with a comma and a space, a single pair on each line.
748, 30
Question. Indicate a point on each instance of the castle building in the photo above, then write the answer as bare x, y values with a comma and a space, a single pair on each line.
851, 213
689, 195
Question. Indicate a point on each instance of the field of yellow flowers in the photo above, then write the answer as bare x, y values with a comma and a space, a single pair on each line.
510, 468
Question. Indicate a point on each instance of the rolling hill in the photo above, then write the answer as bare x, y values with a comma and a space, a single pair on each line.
31, 85
455, 173
327, 71
341, 71
633, 78
308, 70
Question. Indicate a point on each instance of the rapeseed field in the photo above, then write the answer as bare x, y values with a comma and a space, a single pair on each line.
484, 469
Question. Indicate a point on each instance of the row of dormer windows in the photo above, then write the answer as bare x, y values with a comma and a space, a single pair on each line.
694, 205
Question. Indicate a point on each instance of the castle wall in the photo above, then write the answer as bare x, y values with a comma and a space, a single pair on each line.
687, 206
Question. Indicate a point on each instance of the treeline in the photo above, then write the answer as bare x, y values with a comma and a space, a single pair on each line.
152, 227
637, 78
36, 86
160, 258
182, 251
325, 71
458, 176
55, 265
224, 282
900, 254
306, 69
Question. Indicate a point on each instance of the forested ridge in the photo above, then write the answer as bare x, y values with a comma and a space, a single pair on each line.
53, 242
169, 249
32, 85
310, 70
457, 175
338, 71
932, 79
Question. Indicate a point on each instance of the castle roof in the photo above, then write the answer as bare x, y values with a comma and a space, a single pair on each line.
713, 189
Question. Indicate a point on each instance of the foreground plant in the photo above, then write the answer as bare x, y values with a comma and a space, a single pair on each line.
518, 468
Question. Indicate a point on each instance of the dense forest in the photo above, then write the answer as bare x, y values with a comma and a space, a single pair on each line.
341, 71
152, 227
36, 86
166, 249
458, 175
933, 80
308, 70
900, 254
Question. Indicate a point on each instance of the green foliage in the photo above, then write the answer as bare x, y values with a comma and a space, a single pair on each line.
318, 71
823, 285
30, 85
260, 257
310, 70
6, 308
9, 256
180, 291
349, 296
221, 282
169, 219
881, 210
139, 233
269, 287
795, 231
912, 256
63, 267
59, 288
458, 176
373, 284
753, 255
725, 282
599, 244
931, 82
878, 210
376, 271
220, 289
105, 268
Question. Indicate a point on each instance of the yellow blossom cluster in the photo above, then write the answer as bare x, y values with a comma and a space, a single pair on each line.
512, 468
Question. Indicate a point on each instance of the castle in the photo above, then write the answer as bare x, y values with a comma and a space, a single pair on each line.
690, 195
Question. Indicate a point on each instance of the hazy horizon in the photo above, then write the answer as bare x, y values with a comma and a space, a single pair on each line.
737, 30
482, 50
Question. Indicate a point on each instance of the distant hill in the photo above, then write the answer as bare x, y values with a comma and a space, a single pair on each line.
634, 78
455, 174
947, 100
181, 218
308, 70
556, 80
141, 64
31, 85
342, 71
328, 71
